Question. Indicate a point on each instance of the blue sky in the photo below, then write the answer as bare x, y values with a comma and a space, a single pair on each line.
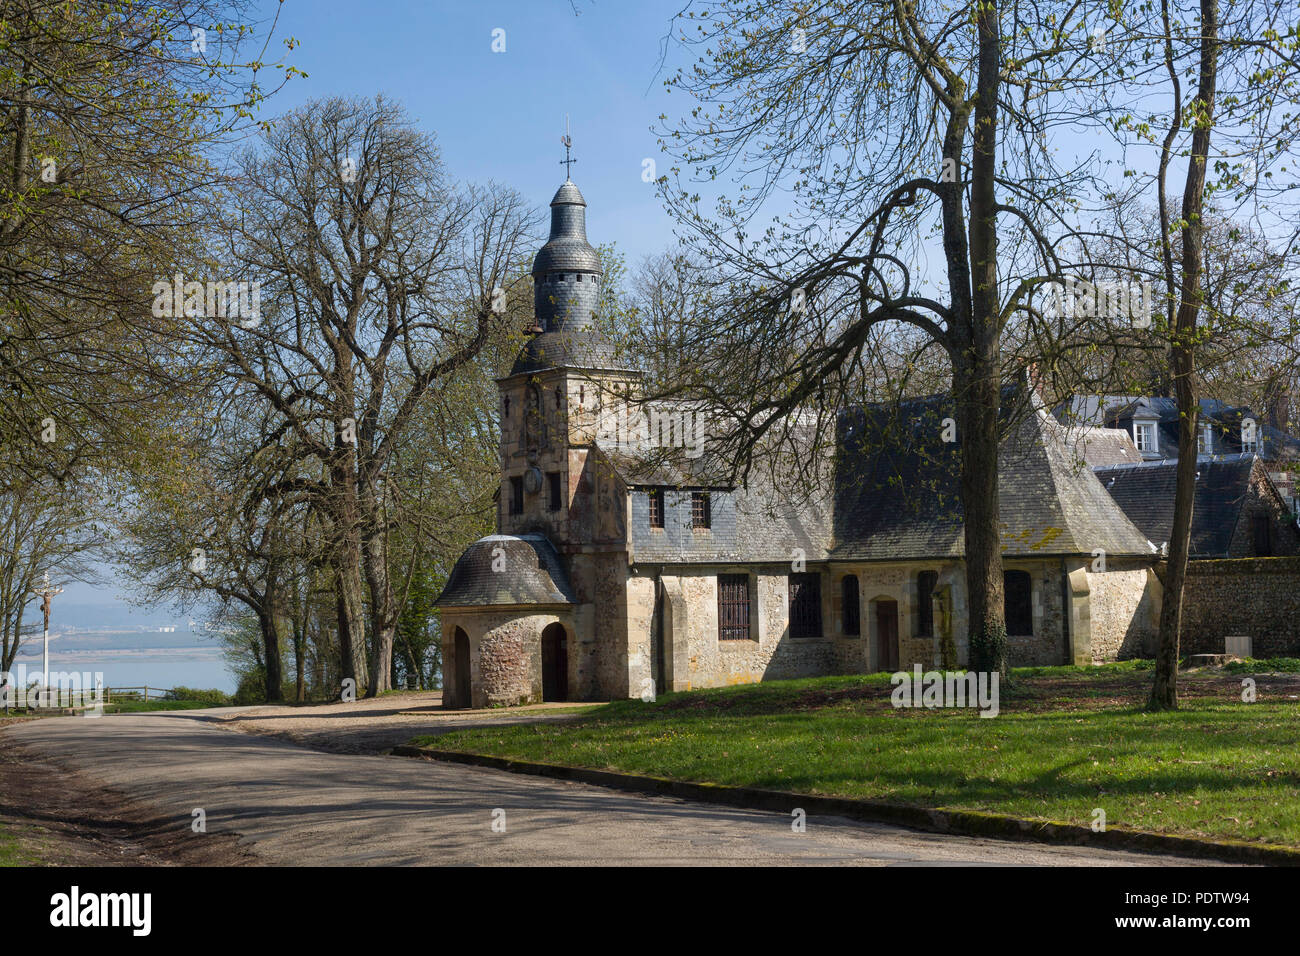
500, 116
497, 116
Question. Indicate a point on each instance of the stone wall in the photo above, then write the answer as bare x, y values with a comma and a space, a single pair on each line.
1125, 611
1255, 596
505, 654
1046, 645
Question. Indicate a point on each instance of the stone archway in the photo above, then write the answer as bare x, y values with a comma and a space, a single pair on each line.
555, 663
460, 669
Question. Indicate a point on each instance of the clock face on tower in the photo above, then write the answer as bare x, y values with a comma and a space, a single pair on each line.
533, 480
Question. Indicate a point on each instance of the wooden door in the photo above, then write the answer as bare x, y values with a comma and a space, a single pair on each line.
887, 635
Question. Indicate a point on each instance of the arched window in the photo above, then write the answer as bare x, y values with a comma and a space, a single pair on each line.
925, 584
558, 396
1018, 603
849, 601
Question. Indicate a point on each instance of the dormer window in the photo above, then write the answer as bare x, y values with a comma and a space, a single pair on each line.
1144, 436
1205, 441
1249, 436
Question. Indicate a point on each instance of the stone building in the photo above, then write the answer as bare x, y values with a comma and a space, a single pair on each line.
1238, 511
619, 571
1224, 431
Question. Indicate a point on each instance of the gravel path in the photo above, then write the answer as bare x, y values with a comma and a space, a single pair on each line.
289, 805
376, 726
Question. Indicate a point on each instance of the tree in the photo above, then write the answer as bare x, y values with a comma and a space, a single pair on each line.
110, 116
43, 528
1246, 72
894, 130
386, 279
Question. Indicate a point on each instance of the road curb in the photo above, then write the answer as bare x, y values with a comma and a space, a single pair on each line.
959, 822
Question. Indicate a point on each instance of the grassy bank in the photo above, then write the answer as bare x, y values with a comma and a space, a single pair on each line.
12, 852
1067, 741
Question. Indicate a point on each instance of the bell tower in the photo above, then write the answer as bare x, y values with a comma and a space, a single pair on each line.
561, 388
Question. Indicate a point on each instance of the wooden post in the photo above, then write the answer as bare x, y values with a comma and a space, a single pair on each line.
146, 693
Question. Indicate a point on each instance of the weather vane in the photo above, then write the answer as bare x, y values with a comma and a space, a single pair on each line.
567, 140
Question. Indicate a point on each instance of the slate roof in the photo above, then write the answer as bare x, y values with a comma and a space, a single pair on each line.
1146, 493
1110, 410
567, 248
767, 520
898, 488
1104, 446
566, 348
530, 573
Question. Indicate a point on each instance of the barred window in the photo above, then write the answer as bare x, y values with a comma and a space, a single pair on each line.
1018, 603
849, 600
701, 510
656, 500
805, 605
733, 607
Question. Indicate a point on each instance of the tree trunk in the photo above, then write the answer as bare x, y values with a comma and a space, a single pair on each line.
351, 620
979, 384
1182, 356
348, 564
383, 612
977, 410
299, 664
272, 622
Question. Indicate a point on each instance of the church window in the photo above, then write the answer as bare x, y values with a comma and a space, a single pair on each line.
701, 511
1018, 603
507, 406
517, 495
733, 607
925, 584
656, 502
806, 605
849, 600
556, 493
559, 396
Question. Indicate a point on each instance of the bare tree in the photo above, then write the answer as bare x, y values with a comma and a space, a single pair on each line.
896, 132
385, 279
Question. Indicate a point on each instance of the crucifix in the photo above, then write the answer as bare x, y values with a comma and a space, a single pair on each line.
567, 140
45, 593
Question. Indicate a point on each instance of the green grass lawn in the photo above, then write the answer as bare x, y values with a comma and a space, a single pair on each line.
1068, 740
12, 852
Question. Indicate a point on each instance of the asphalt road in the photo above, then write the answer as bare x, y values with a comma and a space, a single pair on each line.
296, 806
